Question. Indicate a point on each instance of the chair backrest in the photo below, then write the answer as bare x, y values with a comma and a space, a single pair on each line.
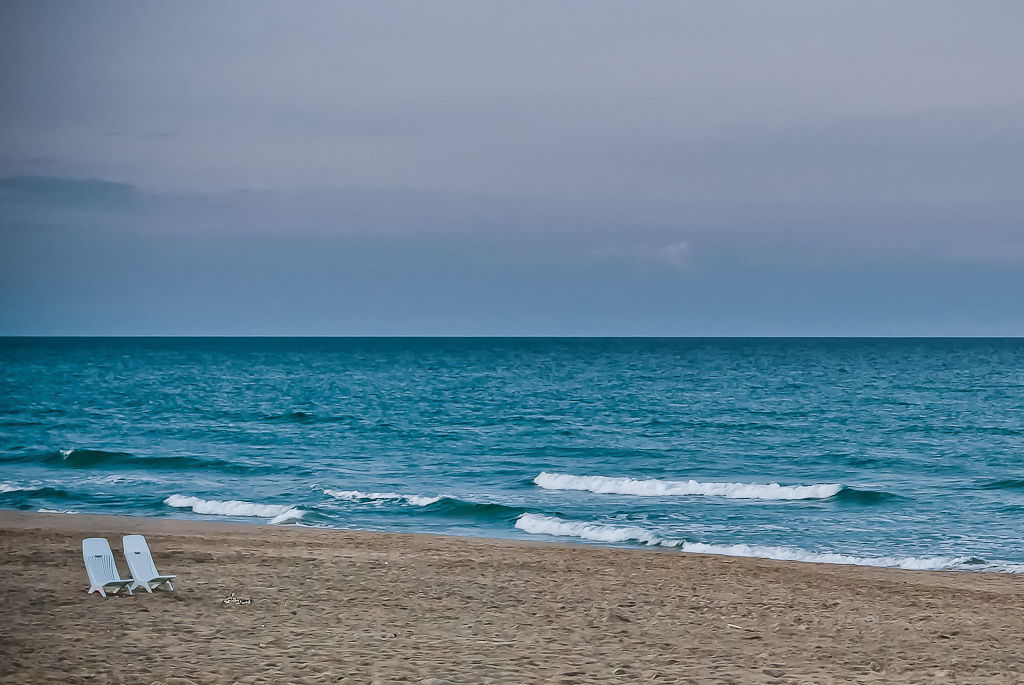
140, 560
99, 561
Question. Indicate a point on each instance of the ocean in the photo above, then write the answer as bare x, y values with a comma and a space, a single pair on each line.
886, 452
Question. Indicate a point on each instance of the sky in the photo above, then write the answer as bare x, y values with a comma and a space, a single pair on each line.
512, 168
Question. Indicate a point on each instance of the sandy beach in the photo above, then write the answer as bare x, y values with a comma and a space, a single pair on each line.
358, 607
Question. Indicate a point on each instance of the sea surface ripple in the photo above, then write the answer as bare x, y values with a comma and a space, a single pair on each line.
891, 452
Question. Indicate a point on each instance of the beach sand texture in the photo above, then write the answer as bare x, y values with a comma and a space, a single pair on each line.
357, 607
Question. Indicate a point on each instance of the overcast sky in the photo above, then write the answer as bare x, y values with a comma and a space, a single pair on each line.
512, 168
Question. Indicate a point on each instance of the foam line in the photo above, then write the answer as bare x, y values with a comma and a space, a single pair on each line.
551, 525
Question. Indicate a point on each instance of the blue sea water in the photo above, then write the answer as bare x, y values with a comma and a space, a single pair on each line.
893, 452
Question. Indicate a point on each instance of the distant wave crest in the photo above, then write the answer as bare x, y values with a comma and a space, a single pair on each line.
654, 488
83, 458
1004, 484
277, 513
86, 457
305, 417
550, 525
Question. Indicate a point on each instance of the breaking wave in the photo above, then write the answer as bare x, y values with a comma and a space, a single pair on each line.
662, 488
16, 491
550, 525
381, 497
440, 505
277, 513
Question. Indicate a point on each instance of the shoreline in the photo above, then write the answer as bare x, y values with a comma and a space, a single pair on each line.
335, 605
587, 544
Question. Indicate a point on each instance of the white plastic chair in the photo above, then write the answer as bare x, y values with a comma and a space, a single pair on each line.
99, 564
140, 562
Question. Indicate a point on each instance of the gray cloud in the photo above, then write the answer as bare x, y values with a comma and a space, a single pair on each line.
520, 167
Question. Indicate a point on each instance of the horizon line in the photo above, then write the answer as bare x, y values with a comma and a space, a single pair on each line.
508, 337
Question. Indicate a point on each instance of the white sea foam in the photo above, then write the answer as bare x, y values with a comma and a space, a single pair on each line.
10, 486
655, 488
380, 497
56, 511
277, 513
66, 453
116, 479
292, 515
550, 525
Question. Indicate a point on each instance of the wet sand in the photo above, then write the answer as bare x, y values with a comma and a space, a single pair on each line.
358, 607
